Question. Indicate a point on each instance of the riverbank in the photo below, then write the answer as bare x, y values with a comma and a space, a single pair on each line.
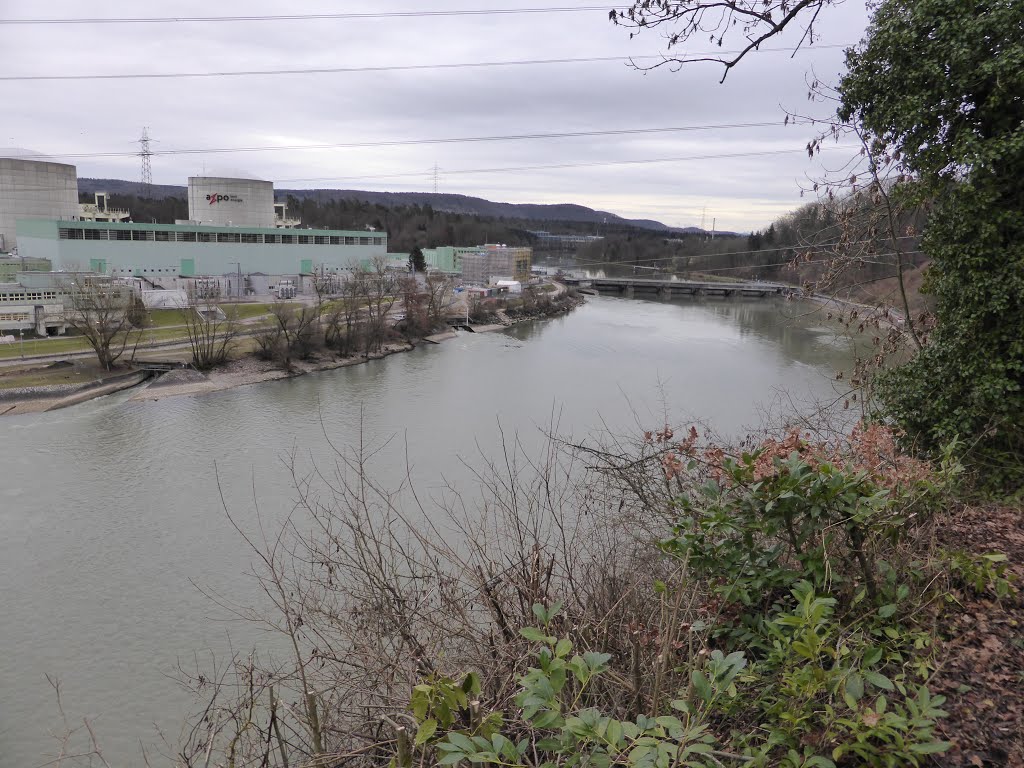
51, 397
241, 372
251, 370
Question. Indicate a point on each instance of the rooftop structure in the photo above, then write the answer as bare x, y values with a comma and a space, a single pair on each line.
101, 210
10, 266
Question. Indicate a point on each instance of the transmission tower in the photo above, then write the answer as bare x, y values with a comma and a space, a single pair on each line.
146, 154
437, 174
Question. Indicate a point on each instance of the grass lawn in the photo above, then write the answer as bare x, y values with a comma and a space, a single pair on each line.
51, 346
163, 318
45, 375
245, 311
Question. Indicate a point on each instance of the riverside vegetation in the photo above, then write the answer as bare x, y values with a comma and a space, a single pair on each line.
658, 602
803, 599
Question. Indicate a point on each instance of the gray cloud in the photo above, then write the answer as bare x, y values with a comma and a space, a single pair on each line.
107, 116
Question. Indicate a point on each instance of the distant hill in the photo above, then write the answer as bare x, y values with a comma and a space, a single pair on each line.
463, 204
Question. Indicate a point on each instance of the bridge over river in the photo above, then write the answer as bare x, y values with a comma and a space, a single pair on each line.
667, 289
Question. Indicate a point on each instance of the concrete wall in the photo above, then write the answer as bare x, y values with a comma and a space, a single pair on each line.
219, 201
34, 189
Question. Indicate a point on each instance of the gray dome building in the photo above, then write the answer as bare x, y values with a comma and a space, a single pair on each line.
33, 186
235, 201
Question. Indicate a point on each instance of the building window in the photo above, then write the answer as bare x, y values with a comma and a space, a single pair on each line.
304, 239
95, 234
288, 239
335, 240
122, 234
186, 237
204, 237
228, 237
67, 233
162, 237
321, 240
271, 238
364, 241
142, 235
249, 238
378, 241
350, 241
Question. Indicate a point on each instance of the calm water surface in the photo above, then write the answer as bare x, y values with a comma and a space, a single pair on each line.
109, 511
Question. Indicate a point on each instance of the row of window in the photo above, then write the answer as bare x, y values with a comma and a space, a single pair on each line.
29, 296
16, 316
246, 238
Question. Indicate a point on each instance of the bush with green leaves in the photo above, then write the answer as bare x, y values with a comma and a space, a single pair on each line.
812, 702
807, 651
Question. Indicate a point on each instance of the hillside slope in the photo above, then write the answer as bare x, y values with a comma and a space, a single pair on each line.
462, 204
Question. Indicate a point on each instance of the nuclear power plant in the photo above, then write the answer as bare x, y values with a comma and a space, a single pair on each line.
236, 233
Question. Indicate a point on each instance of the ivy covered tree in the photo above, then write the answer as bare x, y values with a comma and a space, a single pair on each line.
936, 89
417, 262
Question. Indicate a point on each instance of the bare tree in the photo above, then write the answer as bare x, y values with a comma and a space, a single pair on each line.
106, 312
344, 325
212, 331
372, 592
693, 21
381, 289
291, 334
414, 301
439, 294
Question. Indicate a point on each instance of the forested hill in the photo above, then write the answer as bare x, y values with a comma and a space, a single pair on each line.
461, 204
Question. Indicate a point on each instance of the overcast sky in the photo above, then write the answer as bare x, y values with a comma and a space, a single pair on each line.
105, 116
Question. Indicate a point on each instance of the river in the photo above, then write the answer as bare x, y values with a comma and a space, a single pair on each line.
110, 511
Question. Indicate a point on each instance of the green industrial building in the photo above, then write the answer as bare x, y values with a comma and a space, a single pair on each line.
162, 252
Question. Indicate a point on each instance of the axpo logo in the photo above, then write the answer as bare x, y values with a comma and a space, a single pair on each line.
215, 198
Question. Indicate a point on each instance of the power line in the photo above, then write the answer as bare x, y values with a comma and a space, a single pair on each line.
559, 166
380, 68
309, 16
447, 140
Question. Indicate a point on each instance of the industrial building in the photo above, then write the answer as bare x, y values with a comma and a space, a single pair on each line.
34, 301
158, 253
33, 187
481, 264
10, 266
234, 230
236, 236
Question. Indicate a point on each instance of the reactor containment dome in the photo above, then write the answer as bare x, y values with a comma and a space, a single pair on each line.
230, 202
33, 186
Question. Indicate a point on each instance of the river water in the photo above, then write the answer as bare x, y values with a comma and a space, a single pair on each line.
110, 511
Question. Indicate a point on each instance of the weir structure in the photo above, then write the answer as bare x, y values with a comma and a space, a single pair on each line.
667, 289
